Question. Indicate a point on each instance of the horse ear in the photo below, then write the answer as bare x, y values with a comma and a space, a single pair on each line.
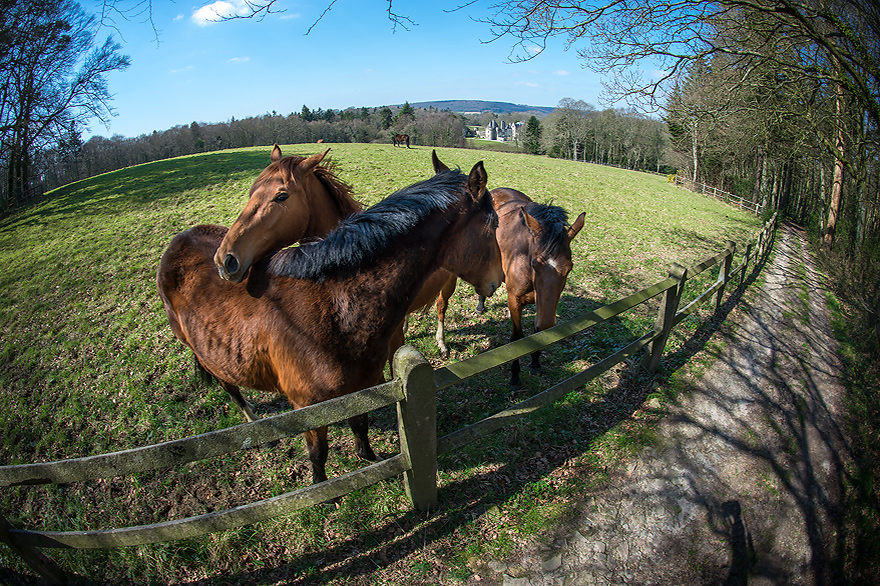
438, 164
310, 163
531, 223
477, 180
576, 227
276, 154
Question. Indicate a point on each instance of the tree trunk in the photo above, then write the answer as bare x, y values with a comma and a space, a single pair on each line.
837, 180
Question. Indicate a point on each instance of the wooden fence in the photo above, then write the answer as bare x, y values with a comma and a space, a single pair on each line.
413, 390
730, 198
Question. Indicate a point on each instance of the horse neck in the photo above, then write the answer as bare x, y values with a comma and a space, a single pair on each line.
387, 289
327, 207
420, 255
324, 212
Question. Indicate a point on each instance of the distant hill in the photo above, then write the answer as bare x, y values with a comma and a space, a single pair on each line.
483, 106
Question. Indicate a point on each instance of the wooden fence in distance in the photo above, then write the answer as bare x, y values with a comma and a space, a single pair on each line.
414, 392
730, 198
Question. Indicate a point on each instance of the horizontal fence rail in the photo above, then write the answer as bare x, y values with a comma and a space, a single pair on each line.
413, 390
732, 199
201, 447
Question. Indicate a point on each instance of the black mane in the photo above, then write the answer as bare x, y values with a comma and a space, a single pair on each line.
361, 237
554, 221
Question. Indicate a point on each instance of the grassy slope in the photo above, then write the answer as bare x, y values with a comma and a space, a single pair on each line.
90, 366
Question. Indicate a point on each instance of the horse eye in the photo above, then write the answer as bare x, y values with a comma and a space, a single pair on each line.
280, 197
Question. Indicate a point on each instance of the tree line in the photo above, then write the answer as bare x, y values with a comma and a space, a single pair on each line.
774, 100
621, 137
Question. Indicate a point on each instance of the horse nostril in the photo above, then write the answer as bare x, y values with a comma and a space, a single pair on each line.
230, 263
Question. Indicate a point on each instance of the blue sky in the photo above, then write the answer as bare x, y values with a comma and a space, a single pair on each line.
212, 71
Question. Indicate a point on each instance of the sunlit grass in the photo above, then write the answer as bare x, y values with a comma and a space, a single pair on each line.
90, 366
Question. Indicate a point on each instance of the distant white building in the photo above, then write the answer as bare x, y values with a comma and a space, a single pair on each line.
501, 131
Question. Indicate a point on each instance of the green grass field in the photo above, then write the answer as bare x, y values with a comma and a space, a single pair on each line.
90, 366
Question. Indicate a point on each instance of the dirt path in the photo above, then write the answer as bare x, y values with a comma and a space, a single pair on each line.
744, 487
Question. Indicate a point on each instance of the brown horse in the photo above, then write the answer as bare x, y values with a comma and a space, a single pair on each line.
535, 243
314, 322
399, 139
293, 198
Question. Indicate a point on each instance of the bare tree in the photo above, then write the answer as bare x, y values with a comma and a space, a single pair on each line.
53, 81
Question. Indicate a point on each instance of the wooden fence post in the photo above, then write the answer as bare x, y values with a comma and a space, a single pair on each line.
417, 422
37, 560
724, 272
742, 276
665, 317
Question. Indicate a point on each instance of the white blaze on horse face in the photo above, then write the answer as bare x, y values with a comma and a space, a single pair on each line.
553, 264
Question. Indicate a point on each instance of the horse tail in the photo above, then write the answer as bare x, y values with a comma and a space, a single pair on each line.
205, 377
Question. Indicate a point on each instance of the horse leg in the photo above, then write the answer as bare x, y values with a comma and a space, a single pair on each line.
443, 303
359, 425
316, 445
535, 366
515, 306
481, 305
235, 393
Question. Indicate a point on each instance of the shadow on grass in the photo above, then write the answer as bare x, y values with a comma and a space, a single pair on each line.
502, 467
506, 465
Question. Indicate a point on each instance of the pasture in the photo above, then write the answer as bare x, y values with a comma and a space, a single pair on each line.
90, 366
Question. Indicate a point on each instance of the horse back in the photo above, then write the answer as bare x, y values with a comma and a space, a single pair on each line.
184, 254
181, 268
513, 237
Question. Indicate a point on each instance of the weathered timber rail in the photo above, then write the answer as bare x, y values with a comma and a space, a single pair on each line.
730, 198
413, 390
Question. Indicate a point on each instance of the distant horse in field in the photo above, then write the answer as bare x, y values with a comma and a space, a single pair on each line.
535, 242
314, 322
399, 139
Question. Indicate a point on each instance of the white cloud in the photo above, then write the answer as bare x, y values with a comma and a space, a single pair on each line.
239, 60
561, 72
178, 17
187, 68
528, 84
211, 13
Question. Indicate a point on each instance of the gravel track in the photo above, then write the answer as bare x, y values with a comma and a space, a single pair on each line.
745, 484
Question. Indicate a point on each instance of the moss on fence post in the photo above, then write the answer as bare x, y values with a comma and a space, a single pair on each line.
745, 266
724, 272
665, 318
417, 422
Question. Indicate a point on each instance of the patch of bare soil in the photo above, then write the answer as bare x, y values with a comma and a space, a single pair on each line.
745, 485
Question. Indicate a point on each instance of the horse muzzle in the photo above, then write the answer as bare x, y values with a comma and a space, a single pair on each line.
230, 269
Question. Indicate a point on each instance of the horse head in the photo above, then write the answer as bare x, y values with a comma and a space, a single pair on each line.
476, 258
282, 209
550, 254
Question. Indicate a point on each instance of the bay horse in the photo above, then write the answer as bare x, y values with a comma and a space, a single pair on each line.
313, 322
535, 242
399, 139
292, 199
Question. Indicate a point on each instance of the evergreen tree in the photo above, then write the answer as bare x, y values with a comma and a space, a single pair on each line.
406, 114
532, 142
387, 118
